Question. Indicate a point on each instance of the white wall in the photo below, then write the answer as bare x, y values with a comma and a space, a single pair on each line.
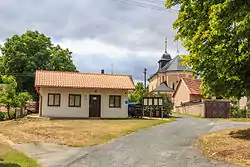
83, 111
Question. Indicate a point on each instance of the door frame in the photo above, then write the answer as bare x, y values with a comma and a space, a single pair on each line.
90, 100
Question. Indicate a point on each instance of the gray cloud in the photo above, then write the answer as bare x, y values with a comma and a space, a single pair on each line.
110, 21
133, 65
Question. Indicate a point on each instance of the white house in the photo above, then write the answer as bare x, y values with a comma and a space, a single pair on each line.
82, 95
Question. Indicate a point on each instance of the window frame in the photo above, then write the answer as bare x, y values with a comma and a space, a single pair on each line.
114, 97
75, 95
54, 94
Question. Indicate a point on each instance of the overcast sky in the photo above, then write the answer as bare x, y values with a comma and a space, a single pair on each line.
129, 34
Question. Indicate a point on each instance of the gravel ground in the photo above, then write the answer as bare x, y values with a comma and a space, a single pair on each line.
170, 145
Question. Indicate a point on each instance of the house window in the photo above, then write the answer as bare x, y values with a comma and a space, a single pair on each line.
54, 100
173, 86
114, 101
163, 79
74, 100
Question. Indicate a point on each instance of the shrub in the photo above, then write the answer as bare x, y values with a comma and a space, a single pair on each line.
167, 105
236, 112
2, 116
12, 115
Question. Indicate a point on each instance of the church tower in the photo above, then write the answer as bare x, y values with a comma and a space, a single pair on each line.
165, 57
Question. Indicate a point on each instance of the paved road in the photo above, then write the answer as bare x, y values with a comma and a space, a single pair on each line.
171, 145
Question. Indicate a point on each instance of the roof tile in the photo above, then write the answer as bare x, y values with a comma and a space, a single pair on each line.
193, 85
83, 80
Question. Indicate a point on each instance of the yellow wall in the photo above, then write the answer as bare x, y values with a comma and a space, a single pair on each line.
170, 78
152, 83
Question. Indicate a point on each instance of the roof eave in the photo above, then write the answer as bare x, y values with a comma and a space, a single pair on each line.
46, 86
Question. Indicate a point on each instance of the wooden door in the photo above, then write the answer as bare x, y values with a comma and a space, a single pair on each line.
94, 106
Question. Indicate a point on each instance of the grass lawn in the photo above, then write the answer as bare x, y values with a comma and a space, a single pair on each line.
232, 119
229, 145
75, 133
195, 116
239, 119
10, 157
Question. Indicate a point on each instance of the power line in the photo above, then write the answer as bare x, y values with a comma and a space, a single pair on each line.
154, 2
145, 5
130, 2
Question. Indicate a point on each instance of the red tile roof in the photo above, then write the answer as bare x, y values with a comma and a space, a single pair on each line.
193, 85
83, 80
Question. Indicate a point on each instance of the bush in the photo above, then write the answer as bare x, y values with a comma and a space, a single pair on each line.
236, 112
12, 115
167, 105
2, 116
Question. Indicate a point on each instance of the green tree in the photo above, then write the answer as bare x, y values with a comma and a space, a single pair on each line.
9, 95
167, 104
138, 93
23, 54
21, 100
216, 33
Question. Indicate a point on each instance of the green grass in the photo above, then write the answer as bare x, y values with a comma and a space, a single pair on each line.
10, 157
195, 116
233, 119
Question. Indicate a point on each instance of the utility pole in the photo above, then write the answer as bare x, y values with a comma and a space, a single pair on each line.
145, 78
112, 68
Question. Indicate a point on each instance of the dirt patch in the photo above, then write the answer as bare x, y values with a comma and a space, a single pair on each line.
71, 132
229, 145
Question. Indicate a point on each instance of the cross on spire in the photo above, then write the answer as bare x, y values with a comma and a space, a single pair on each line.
166, 44
178, 51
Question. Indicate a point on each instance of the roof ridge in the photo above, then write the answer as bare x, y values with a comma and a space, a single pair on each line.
87, 73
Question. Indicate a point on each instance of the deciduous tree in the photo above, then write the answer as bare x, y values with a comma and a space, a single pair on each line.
23, 54
9, 95
216, 33
138, 93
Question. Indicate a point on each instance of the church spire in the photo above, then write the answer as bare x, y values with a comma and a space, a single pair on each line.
178, 51
166, 45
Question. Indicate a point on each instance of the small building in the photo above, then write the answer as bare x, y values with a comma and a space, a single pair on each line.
82, 95
188, 89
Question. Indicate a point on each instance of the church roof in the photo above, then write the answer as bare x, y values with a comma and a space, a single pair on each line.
163, 88
175, 65
166, 56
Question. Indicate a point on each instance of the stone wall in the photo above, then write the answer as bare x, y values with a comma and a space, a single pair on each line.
196, 109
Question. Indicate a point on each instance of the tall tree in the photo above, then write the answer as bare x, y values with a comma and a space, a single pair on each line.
23, 55
216, 33
138, 93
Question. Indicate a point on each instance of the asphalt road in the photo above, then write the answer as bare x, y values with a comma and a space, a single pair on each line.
170, 145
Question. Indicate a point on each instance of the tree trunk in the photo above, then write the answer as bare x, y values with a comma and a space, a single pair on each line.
8, 111
15, 114
21, 112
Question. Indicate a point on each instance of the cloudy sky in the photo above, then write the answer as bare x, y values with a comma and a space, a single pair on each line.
129, 34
